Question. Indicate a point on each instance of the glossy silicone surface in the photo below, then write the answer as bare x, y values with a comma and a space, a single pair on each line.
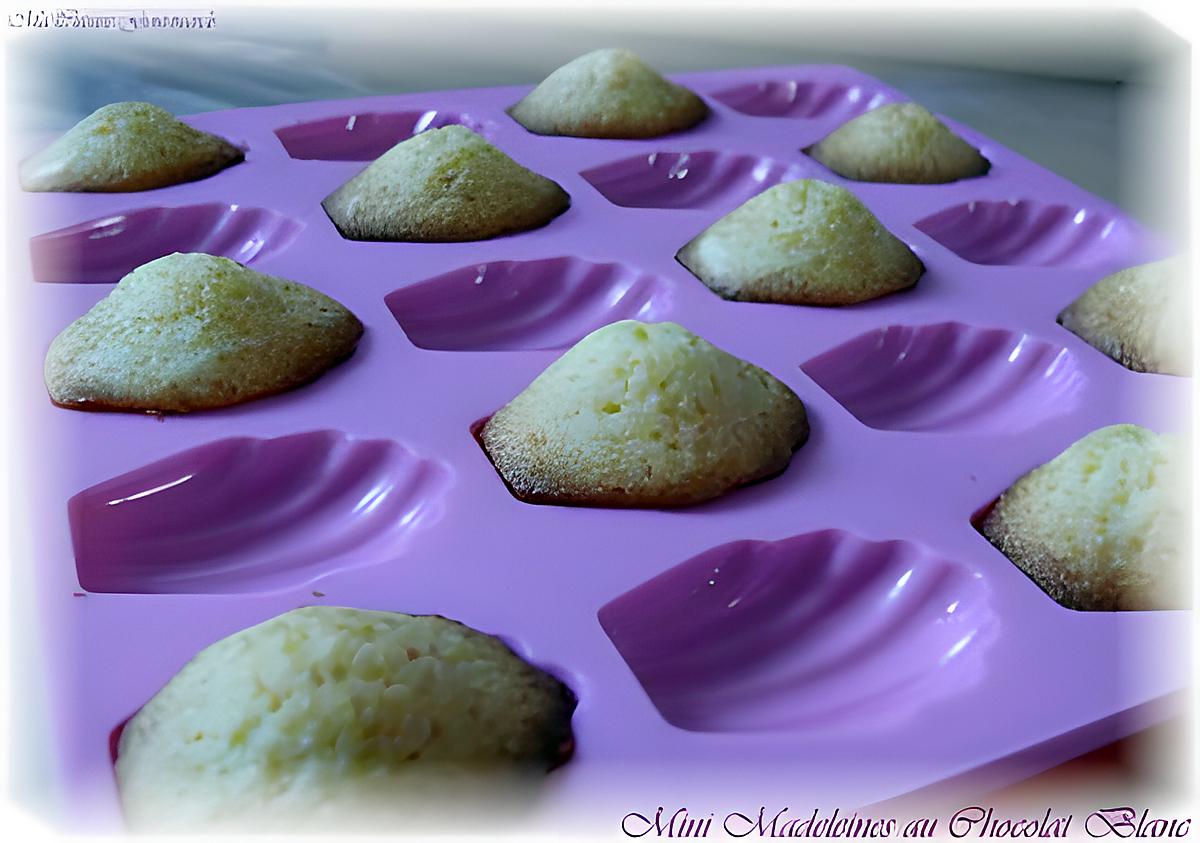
840, 631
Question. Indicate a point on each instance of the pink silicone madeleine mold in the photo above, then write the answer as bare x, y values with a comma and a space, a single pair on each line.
688, 179
950, 377
797, 98
104, 250
864, 667
1027, 232
364, 137
811, 632
251, 514
525, 305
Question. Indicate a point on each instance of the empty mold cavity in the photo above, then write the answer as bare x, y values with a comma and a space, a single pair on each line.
816, 631
950, 377
1026, 233
687, 179
251, 514
364, 137
797, 98
524, 305
104, 250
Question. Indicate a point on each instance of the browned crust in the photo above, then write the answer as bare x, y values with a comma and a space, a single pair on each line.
467, 228
890, 174
101, 406
1120, 346
572, 491
1046, 570
691, 111
1111, 346
784, 288
557, 737
1054, 575
226, 156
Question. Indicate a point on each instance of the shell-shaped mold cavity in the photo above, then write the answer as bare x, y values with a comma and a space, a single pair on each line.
525, 305
687, 179
364, 137
950, 377
245, 514
801, 98
812, 632
1027, 232
106, 249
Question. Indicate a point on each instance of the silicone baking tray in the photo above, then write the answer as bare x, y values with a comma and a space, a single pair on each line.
840, 632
